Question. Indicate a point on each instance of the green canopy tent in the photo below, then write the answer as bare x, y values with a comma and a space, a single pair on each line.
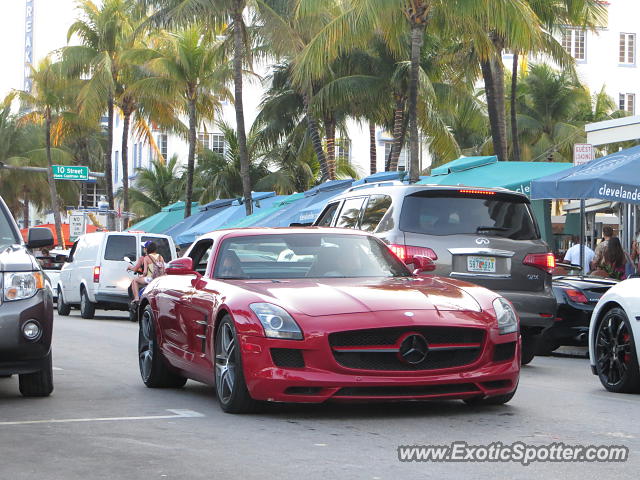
164, 219
489, 172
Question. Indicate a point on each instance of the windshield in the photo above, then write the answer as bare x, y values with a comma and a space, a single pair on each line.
452, 213
8, 235
308, 255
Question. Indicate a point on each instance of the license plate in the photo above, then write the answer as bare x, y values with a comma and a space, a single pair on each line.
481, 264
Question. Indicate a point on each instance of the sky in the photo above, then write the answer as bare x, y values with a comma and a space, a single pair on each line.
52, 19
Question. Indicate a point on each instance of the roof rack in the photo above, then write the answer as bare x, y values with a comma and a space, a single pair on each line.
387, 183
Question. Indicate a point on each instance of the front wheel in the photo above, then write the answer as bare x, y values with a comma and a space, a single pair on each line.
529, 343
154, 371
231, 387
87, 307
615, 353
37, 384
64, 309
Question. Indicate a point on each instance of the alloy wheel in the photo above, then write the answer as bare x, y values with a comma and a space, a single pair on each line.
145, 345
613, 349
225, 363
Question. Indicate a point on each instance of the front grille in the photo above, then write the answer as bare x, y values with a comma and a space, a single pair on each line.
504, 352
287, 357
410, 391
379, 349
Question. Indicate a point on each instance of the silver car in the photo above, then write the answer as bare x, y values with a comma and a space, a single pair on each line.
487, 236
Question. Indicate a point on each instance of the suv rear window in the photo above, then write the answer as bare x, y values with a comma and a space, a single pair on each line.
452, 213
163, 246
120, 246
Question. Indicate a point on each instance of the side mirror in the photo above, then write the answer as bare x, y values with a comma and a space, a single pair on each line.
39, 237
423, 264
180, 266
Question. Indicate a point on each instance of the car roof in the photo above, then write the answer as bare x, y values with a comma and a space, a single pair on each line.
395, 187
250, 231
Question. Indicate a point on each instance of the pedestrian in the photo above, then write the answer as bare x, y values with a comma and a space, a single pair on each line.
153, 267
607, 233
573, 255
614, 260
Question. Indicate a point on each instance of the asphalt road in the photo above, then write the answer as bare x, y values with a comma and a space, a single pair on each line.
102, 422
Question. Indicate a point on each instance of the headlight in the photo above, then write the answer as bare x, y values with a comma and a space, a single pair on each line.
21, 285
277, 323
506, 315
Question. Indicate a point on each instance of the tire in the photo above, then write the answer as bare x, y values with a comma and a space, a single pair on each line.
231, 387
529, 343
615, 353
64, 309
497, 400
87, 308
153, 367
38, 384
545, 347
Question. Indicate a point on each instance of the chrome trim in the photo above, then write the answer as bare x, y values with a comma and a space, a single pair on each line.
481, 251
461, 347
201, 322
481, 275
367, 350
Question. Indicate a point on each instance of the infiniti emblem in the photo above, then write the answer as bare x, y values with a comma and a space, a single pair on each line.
482, 241
413, 349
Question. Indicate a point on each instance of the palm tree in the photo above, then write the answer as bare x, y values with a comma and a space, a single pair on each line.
102, 31
219, 175
44, 106
403, 23
156, 187
187, 67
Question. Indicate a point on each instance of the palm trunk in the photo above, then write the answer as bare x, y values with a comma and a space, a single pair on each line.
238, 57
417, 33
52, 184
493, 74
398, 137
25, 206
191, 159
373, 154
312, 127
330, 133
125, 165
515, 141
108, 171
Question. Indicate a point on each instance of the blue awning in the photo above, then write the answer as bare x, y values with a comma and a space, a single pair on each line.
615, 177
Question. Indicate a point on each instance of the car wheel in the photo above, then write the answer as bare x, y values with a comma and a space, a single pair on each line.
153, 368
87, 307
529, 343
231, 387
64, 309
615, 353
497, 400
546, 346
38, 384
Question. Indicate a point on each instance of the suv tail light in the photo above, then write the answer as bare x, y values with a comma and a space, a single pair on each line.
96, 274
575, 295
543, 261
407, 252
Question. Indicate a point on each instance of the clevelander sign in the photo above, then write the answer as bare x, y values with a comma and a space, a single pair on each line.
619, 193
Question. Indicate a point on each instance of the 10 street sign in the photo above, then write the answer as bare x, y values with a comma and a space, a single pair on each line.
67, 172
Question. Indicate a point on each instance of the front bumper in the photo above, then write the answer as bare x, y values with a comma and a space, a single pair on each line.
17, 354
535, 309
323, 379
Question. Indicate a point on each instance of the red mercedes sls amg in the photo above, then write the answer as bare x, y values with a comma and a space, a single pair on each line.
316, 314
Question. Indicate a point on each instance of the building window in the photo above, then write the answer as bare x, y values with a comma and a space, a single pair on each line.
163, 141
343, 149
574, 41
628, 102
627, 48
404, 154
212, 141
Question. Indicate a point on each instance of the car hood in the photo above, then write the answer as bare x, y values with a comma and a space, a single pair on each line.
16, 258
319, 297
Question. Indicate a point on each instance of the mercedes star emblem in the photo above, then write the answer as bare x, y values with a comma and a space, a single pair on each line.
413, 349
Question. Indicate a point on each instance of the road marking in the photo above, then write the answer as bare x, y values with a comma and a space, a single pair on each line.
58, 369
177, 413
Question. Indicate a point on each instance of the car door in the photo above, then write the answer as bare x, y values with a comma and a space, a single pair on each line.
114, 278
65, 273
175, 315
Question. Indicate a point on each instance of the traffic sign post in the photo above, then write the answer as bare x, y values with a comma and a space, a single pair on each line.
77, 225
69, 172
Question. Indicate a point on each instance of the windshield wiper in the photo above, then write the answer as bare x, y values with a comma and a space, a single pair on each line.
496, 229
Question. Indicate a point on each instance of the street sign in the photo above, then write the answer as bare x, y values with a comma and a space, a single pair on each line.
582, 153
76, 226
69, 172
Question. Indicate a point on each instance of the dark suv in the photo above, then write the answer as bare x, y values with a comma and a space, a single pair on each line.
26, 309
486, 236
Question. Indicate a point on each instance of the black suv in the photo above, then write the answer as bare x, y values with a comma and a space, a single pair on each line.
487, 236
26, 309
